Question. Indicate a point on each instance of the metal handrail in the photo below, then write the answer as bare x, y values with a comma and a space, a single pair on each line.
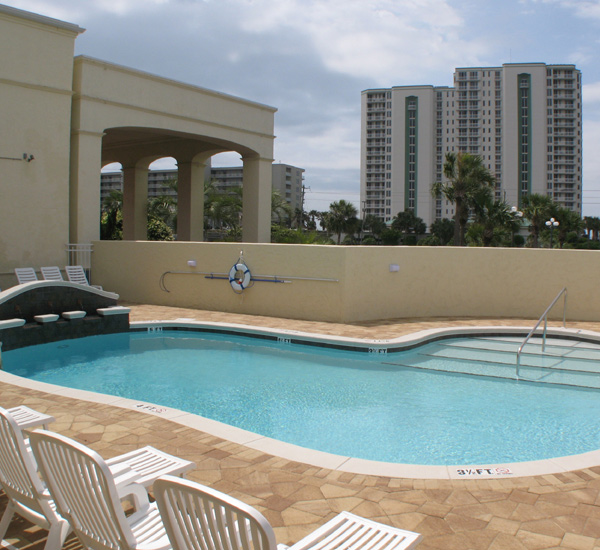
544, 318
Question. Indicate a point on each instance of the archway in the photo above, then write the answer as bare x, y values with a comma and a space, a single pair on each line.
122, 115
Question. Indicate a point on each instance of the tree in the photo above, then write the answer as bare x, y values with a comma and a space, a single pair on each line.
537, 209
569, 222
341, 218
409, 224
373, 224
313, 217
280, 234
280, 208
390, 237
223, 210
443, 229
158, 230
467, 178
496, 221
163, 208
111, 217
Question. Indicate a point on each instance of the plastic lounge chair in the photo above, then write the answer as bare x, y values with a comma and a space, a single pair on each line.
28, 418
27, 495
20, 481
85, 493
76, 274
192, 512
25, 275
51, 273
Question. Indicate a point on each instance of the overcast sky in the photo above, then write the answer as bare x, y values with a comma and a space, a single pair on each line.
312, 58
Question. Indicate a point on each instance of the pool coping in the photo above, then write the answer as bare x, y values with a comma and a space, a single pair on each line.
319, 458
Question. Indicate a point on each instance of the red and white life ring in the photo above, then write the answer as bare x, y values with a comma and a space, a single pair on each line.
239, 277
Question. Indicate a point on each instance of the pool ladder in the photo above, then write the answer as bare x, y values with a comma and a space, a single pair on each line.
544, 318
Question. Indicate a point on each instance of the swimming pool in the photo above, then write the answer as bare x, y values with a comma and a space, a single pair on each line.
347, 403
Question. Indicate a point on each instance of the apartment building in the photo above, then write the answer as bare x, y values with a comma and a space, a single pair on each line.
523, 119
287, 180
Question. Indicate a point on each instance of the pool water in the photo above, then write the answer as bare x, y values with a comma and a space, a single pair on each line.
342, 402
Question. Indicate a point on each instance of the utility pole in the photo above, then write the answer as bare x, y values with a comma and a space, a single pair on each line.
301, 220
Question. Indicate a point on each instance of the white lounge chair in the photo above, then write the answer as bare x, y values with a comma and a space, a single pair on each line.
51, 273
28, 418
192, 512
22, 485
76, 274
86, 494
27, 495
25, 275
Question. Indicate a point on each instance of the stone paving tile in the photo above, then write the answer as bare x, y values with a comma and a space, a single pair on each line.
530, 513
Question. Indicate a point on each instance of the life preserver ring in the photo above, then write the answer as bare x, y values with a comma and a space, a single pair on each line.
239, 277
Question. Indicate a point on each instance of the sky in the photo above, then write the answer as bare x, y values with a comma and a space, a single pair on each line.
312, 58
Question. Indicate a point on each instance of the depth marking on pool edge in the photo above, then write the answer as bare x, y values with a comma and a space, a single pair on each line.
150, 408
484, 471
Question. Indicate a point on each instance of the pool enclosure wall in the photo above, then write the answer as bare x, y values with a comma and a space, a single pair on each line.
65, 117
353, 283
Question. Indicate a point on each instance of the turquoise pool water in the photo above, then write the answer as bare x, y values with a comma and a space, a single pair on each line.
348, 403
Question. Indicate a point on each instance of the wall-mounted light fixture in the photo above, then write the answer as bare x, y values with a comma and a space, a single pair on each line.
192, 263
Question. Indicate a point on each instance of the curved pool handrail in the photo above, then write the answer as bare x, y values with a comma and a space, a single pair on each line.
544, 317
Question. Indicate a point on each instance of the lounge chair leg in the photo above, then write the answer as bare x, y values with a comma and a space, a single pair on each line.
6, 519
57, 535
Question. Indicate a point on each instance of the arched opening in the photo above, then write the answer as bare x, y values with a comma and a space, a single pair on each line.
169, 192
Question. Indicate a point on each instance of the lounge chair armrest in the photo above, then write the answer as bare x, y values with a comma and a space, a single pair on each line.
137, 495
123, 475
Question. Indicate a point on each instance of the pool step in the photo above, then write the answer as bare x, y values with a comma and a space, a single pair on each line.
563, 361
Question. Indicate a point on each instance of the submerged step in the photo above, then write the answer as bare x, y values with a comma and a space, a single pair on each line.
526, 373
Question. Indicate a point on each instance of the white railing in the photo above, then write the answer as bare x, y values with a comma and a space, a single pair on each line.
80, 254
544, 318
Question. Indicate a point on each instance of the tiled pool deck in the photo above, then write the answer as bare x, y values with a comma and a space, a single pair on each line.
559, 510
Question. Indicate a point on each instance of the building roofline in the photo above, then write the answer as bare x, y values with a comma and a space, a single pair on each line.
144, 74
42, 19
408, 87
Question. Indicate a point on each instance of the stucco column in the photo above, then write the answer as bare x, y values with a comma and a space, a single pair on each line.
258, 174
84, 187
135, 203
190, 201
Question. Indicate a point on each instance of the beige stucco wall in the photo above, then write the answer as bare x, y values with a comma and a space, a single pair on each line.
431, 281
141, 264
58, 109
36, 69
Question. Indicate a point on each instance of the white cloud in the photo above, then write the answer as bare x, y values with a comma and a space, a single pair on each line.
335, 147
370, 38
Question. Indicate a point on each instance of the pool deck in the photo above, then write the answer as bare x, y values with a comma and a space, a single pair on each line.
560, 510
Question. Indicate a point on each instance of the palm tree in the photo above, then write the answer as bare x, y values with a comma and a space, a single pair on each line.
341, 218
223, 210
496, 220
569, 222
111, 220
164, 209
537, 209
280, 208
313, 217
467, 178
